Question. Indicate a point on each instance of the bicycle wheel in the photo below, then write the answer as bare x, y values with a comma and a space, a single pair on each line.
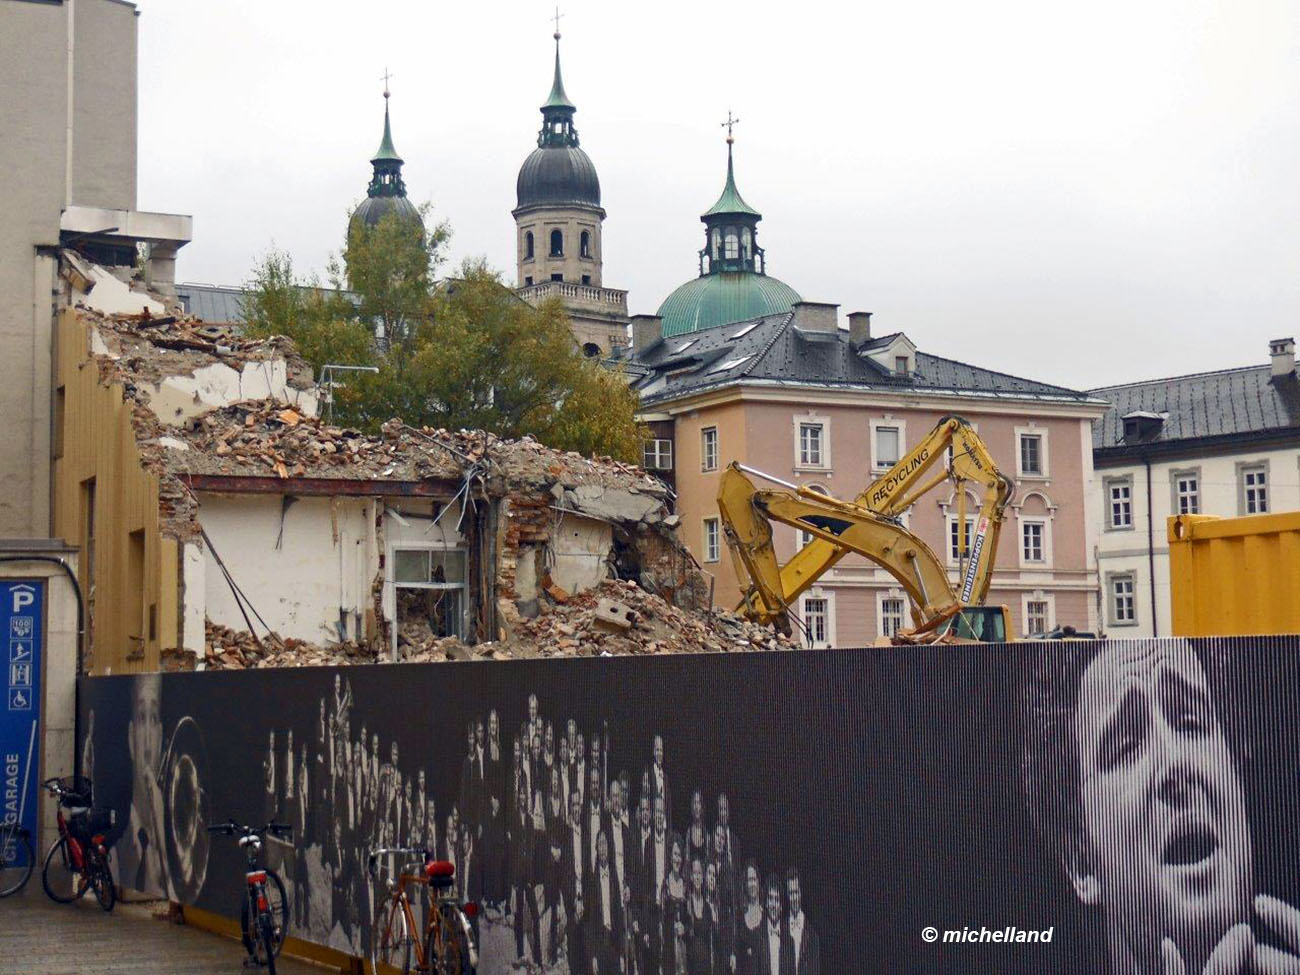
390, 941
62, 881
270, 947
250, 926
17, 859
448, 947
102, 880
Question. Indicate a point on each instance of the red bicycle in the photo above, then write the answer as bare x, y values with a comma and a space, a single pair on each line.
264, 911
80, 858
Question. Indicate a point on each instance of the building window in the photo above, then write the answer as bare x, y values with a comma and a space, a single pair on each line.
584, 244
1122, 600
1031, 454
816, 618
709, 449
731, 244
956, 551
1119, 504
891, 616
1187, 492
586, 279
888, 444
810, 445
1031, 541
590, 350
528, 246
900, 365
1254, 489
557, 243
557, 277
1037, 617
430, 589
657, 455
712, 540
528, 280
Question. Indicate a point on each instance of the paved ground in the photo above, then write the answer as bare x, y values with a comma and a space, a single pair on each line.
39, 937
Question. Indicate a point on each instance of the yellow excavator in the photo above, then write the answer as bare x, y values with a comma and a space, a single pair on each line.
871, 525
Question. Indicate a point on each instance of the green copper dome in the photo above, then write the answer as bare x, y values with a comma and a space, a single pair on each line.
733, 285
727, 296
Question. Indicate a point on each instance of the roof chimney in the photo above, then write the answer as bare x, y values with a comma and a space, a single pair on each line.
1283, 353
646, 331
859, 328
816, 316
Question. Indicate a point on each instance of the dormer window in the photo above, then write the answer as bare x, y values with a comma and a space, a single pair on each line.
900, 365
1141, 425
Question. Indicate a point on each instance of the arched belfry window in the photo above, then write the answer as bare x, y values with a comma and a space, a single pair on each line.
717, 243
557, 243
584, 244
528, 246
745, 244
731, 244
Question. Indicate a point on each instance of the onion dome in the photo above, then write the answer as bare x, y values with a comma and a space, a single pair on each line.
387, 191
733, 285
557, 172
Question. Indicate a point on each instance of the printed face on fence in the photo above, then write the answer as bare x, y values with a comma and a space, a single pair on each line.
1166, 846
145, 733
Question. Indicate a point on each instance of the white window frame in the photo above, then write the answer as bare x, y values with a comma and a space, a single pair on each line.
1108, 486
889, 423
1177, 479
1113, 579
711, 539
1043, 453
390, 578
1045, 532
904, 618
812, 419
948, 545
708, 449
1037, 596
660, 448
816, 592
1258, 495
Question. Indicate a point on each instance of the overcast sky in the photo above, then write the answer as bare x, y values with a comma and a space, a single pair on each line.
1083, 194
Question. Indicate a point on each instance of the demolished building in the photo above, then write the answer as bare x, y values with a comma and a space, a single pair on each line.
222, 523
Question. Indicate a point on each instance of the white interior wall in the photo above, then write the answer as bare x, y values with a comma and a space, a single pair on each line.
325, 563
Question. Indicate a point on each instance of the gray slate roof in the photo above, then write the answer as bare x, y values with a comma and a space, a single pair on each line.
1227, 403
773, 350
212, 303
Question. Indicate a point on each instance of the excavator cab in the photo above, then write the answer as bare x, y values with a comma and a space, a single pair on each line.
983, 624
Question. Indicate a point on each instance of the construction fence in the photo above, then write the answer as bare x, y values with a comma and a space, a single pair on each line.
1024, 808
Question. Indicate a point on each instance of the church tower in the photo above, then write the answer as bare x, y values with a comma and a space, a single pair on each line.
558, 220
387, 191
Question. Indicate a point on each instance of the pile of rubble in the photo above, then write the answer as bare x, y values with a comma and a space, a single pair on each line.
617, 618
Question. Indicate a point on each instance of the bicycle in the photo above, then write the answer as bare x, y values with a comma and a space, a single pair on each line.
17, 857
264, 911
447, 947
80, 859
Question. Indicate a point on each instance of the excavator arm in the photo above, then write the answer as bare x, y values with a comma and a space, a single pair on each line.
869, 525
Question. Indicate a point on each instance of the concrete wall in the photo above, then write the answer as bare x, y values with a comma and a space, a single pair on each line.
1125, 551
763, 432
34, 113
132, 579
306, 564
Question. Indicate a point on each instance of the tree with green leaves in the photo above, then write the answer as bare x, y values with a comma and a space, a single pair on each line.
465, 352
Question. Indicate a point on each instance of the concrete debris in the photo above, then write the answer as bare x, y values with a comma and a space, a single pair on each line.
575, 628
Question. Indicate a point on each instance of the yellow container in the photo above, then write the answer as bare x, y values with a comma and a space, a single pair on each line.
1234, 576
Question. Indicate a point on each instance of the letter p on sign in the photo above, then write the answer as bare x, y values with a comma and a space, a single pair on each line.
24, 596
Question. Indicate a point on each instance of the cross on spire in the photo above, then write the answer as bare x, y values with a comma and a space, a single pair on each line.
728, 125
385, 80
556, 18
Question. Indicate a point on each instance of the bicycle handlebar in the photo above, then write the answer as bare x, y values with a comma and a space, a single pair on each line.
373, 859
230, 828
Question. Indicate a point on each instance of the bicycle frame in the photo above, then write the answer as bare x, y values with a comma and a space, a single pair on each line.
443, 902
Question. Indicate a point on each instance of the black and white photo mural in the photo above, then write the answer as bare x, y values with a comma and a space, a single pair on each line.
1118, 807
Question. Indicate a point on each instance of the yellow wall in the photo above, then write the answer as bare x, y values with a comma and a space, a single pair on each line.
134, 578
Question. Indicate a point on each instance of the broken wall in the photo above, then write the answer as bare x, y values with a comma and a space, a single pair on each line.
307, 565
